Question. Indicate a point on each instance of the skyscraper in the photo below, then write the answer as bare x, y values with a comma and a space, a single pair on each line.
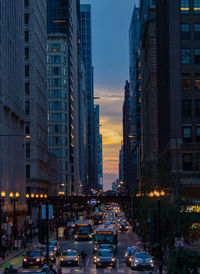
12, 115
86, 46
37, 157
63, 18
135, 97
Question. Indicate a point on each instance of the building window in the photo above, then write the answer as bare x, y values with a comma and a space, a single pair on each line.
185, 56
187, 162
57, 140
55, 59
197, 6
28, 171
197, 56
26, 53
56, 93
197, 81
197, 108
57, 152
27, 91
58, 128
184, 6
27, 128
198, 134
186, 81
26, 18
27, 107
56, 70
56, 105
186, 108
197, 164
27, 150
26, 70
185, 31
55, 82
187, 134
197, 31
55, 47
56, 116
26, 3
26, 36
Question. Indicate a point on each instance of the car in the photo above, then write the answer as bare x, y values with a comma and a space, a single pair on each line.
104, 258
33, 258
142, 261
56, 246
69, 257
52, 253
123, 226
129, 253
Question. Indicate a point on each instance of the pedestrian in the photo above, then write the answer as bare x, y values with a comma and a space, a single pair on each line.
45, 268
52, 270
83, 259
4, 252
11, 269
59, 271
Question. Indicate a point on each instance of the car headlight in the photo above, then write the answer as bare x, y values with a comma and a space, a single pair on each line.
61, 259
25, 260
95, 248
130, 259
137, 261
151, 261
113, 259
76, 259
98, 259
51, 254
38, 259
76, 236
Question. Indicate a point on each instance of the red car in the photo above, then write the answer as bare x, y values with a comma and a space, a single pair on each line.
33, 258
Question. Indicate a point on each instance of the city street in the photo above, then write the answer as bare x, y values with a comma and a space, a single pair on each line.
125, 240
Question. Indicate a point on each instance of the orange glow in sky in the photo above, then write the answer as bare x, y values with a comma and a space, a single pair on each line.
111, 120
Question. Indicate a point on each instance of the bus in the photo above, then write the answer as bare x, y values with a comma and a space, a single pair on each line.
82, 231
105, 235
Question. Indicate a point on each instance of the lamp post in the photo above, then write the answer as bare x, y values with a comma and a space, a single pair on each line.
14, 199
3, 194
158, 194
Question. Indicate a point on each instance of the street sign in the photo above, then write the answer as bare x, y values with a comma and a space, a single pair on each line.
61, 230
179, 242
93, 202
50, 207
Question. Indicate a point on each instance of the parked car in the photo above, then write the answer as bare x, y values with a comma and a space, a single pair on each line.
142, 261
33, 258
69, 257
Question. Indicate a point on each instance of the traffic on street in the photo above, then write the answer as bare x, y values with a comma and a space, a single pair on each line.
104, 244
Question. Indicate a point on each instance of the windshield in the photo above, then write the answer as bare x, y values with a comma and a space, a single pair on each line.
69, 253
106, 246
123, 223
105, 253
102, 238
33, 253
142, 255
83, 229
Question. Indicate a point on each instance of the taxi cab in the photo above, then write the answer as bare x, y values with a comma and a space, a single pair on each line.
69, 257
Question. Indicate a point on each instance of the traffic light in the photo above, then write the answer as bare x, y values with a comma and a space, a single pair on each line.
154, 228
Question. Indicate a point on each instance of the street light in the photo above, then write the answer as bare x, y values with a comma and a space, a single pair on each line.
14, 199
158, 194
3, 194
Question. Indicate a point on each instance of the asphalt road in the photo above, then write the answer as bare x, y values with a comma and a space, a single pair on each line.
125, 240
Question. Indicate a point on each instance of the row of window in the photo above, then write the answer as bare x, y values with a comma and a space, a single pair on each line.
186, 31
191, 162
57, 105
56, 59
188, 133
186, 56
187, 108
57, 129
186, 5
57, 93
60, 153
188, 83
57, 140
57, 117
56, 82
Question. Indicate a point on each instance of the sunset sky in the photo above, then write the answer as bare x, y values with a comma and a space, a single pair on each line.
110, 26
